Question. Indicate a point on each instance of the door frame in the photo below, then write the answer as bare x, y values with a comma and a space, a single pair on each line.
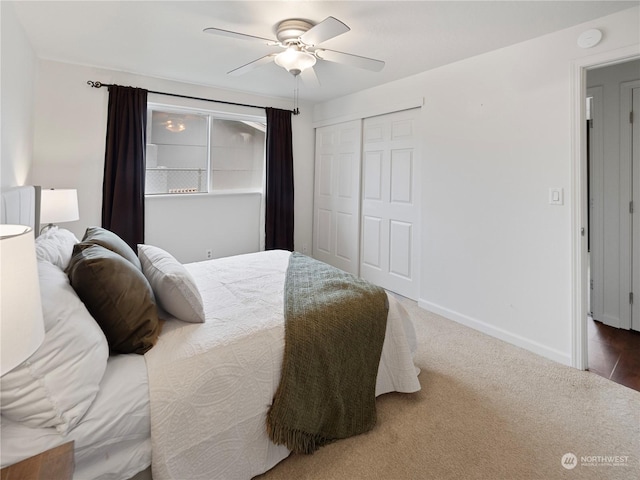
579, 202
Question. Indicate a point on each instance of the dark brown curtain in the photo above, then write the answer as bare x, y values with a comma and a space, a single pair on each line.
279, 189
124, 164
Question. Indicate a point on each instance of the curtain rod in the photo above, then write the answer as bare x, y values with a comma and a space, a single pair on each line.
93, 84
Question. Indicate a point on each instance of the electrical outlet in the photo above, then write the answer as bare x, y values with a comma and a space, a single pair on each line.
305, 248
209, 253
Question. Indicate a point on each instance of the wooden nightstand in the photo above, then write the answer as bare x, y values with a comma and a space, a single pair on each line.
56, 463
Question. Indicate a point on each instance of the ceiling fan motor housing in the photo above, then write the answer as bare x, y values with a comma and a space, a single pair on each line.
289, 31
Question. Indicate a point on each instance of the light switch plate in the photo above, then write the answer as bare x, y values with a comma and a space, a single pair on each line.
556, 196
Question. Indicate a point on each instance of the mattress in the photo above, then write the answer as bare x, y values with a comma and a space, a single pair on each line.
112, 441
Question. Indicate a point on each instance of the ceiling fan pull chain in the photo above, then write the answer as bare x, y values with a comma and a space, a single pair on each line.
296, 94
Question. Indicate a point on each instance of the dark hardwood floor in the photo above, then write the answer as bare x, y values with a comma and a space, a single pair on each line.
614, 353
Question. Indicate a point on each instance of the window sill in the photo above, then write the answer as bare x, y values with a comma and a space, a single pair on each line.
216, 193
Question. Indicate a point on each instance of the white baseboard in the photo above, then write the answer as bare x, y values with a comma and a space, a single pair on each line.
493, 331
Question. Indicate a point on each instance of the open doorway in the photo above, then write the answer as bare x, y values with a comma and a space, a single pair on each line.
612, 155
579, 203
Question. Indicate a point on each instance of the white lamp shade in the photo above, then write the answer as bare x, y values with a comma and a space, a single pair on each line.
21, 323
59, 206
295, 61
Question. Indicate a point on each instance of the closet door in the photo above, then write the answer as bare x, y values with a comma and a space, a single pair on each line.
336, 206
390, 203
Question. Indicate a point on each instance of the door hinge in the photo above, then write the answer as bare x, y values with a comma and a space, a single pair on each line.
591, 282
631, 116
631, 206
631, 298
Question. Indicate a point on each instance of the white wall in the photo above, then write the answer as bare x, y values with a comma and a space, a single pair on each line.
16, 84
613, 199
69, 138
496, 133
189, 225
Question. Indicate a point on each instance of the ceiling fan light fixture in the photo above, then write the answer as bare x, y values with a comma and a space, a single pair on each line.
295, 61
174, 127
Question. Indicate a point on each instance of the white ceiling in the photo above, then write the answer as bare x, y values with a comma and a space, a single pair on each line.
165, 39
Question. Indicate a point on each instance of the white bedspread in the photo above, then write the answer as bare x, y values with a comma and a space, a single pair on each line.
211, 384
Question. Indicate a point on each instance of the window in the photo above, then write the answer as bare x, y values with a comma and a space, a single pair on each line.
198, 152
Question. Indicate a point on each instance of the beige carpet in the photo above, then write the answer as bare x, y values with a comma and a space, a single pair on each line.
487, 410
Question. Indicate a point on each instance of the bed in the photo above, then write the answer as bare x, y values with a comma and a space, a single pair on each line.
199, 398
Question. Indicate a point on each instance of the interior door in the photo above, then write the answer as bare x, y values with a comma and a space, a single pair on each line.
596, 202
336, 208
390, 202
635, 210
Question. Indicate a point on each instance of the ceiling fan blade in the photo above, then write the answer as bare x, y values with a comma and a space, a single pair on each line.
309, 78
350, 59
251, 65
328, 28
242, 36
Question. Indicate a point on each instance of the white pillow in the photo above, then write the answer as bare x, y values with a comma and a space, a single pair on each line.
58, 383
55, 245
174, 287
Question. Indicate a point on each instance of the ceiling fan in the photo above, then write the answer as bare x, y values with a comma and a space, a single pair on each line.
300, 39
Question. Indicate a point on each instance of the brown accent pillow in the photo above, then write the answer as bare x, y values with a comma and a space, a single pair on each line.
110, 241
117, 295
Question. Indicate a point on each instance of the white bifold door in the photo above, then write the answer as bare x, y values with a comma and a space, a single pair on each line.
366, 205
390, 205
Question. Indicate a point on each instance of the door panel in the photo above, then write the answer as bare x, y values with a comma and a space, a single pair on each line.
373, 175
390, 207
401, 129
401, 248
635, 218
337, 195
371, 248
344, 243
345, 172
628, 133
401, 176
324, 181
323, 231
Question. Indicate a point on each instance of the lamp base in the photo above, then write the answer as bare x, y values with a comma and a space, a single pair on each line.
46, 227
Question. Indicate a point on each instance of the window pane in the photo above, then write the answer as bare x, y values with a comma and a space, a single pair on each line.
177, 153
237, 154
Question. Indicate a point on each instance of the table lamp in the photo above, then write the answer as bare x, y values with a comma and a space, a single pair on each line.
58, 206
21, 323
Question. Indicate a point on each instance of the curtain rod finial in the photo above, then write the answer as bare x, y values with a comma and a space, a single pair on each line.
296, 111
94, 84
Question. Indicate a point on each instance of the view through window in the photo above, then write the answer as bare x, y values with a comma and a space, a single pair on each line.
198, 152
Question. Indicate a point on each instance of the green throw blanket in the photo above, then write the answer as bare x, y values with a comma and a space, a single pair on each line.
334, 329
